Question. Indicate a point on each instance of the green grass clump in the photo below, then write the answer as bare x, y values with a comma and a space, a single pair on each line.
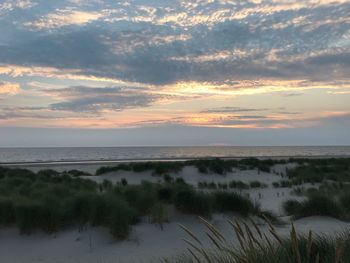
50, 201
210, 185
190, 201
285, 184
223, 186
215, 166
122, 216
32, 215
141, 197
276, 184
158, 214
329, 199
238, 185
109, 169
233, 202
257, 184
165, 193
78, 207
261, 165
318, 170
99, 210
291, 207
6, 211
221, 167
157, 168
320, 205
344, 200
315, 205
28, 216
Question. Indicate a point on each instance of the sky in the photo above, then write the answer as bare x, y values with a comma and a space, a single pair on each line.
174, 72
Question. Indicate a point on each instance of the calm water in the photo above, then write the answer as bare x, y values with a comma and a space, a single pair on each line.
9, 155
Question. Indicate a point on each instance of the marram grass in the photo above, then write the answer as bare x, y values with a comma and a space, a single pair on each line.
257, 246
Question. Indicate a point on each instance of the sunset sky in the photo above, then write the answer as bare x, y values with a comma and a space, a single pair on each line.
167, 72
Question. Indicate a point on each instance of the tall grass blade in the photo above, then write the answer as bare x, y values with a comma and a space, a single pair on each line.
308, 247
213, 229
189, 232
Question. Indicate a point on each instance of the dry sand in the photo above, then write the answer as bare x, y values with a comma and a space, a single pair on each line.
147, 242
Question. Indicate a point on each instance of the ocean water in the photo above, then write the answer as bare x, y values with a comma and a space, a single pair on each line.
19, 155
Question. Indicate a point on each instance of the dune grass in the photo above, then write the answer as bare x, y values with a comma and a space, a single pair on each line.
230, 185
254, 245
291, 207
190, 201
204, 166
319, 205
50, 201
318, 170
316, 205
238, 185
257, 184
326, 199
233, 202
157, 168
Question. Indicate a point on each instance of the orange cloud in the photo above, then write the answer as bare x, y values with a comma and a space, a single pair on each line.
7, 88
249, 87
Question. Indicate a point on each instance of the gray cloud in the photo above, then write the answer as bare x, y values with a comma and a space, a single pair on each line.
83, 102
249, 117
25, 113
341, 59
93, 100
133, 48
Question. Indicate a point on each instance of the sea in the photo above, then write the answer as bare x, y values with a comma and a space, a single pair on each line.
115, 154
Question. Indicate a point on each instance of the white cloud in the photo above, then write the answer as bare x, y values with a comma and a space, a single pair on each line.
51, 72
64, 17
11, 5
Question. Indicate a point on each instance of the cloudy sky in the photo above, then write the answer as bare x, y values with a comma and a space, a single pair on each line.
174, 72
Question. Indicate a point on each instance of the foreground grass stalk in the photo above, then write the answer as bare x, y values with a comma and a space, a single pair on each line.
255, 246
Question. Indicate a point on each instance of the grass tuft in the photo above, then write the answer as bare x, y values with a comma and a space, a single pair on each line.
255, 246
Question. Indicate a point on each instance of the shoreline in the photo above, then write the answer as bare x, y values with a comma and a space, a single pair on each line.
174, 159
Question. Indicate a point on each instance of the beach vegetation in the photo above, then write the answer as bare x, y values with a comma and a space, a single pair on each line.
315, 205
124, 182
158, 214
233, 202
276, 184
257, 184
121, 217
50, 201
6, 211
190, 201
256, 246
291, 207
238, 184
204, 166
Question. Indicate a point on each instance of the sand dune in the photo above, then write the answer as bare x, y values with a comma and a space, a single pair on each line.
147, 241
